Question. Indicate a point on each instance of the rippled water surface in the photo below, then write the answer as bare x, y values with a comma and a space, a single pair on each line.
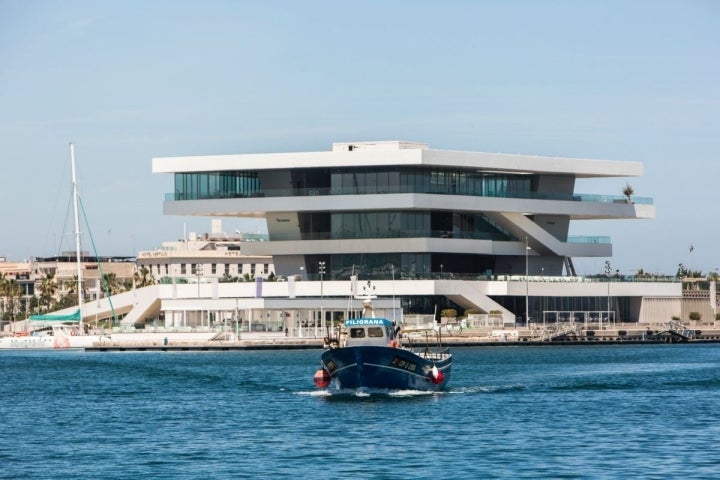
527, 412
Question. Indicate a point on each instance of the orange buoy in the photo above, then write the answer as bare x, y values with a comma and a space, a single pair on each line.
321, 378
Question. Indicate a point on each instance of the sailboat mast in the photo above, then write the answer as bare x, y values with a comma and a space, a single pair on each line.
77, 235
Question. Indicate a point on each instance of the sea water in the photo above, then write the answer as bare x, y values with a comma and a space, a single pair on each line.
649, 411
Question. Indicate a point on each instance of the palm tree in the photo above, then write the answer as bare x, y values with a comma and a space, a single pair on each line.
628, 192
11, 292
3, 294
143, 278
111, 283
70, 297
48, 289
72, 286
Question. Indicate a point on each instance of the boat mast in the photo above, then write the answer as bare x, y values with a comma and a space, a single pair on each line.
77, 235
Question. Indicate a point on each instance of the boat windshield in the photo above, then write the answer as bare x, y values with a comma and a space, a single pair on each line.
368, 331
357, 332
375, 332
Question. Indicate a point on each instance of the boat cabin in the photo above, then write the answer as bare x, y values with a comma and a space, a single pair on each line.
369, 331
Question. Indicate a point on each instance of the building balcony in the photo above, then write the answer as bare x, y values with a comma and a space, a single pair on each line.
321, 192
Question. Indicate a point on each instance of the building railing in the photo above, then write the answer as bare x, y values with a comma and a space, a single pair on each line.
584, 239
315, 192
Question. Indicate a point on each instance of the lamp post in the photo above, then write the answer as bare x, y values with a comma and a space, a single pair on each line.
527, 283
238, 327
199, 272
321, 271
441, 271
392, 267
608, 271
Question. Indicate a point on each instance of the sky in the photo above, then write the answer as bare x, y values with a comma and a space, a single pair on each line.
132, 80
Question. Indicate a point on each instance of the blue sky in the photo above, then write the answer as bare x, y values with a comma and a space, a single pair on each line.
128, 81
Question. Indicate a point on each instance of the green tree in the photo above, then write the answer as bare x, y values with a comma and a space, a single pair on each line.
111, 283
143, 277
3, 294
48, 290
628, 191
11, 293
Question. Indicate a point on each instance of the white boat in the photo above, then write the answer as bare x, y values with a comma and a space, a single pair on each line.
55, 331
53, 334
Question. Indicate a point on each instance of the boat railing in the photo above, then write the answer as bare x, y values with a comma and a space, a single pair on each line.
413, 337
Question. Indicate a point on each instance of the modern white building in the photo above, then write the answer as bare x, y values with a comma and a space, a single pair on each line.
476, 230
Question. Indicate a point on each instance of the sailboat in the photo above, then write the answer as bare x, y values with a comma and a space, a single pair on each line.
59, 331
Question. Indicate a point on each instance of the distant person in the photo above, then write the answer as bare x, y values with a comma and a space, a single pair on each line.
271, 277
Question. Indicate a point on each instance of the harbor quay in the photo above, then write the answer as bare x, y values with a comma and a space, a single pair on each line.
470, 337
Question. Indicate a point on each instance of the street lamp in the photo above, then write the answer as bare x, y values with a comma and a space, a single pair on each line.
321, 271
527, 283
199, 272
608, 271
441, 271
392, 266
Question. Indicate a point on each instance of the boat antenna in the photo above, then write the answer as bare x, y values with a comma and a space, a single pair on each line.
393, 290
77, 235
353, 287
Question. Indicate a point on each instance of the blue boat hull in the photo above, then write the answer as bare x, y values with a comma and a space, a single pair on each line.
376, 367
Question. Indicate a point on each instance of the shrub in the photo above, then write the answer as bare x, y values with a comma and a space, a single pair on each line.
448, 312
695, 316
471, 311
495, 312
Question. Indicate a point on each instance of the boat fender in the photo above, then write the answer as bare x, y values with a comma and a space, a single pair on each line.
436, 375
321, 378
73, 333
394, 344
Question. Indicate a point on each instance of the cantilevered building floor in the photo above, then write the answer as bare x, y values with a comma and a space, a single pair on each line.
400, 210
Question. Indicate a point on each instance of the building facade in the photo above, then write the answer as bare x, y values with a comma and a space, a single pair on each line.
400, 210
211, 256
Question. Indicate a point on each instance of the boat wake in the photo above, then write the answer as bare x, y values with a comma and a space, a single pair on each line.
486, 389
369, 393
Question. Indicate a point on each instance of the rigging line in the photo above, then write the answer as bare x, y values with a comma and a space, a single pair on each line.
65, 224
97, 259
54, 210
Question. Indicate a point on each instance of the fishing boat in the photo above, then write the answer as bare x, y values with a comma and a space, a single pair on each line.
369, 353
54, 331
